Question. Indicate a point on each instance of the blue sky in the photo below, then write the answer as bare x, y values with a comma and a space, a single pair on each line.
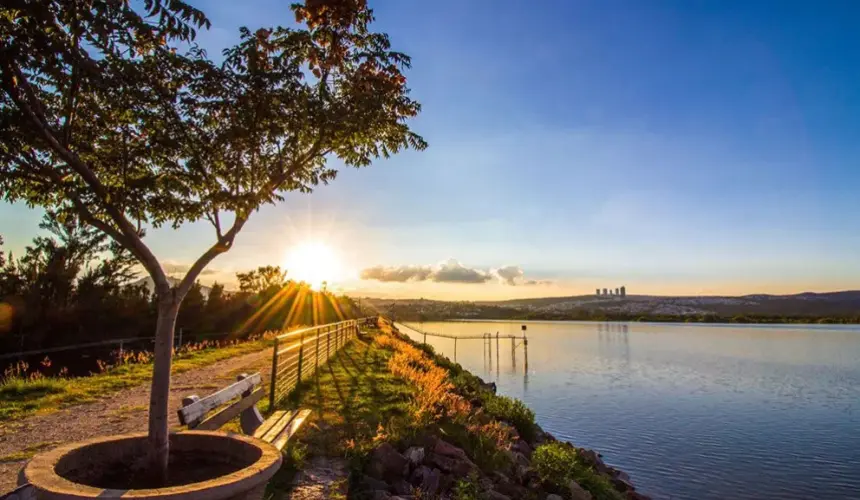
676, 147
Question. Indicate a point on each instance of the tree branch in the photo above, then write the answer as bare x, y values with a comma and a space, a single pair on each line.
223, 244
135, 243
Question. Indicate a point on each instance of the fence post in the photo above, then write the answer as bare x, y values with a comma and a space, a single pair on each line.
301, 359
328, 343
317, 354
273, 383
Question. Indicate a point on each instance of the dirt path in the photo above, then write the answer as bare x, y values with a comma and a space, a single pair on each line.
125, 411
322, 478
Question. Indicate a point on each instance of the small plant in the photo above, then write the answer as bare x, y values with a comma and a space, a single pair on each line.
467, 489
558, 463
514, 412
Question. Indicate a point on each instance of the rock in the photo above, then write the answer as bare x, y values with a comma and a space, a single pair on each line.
507, 487
415, 455
449, 450
417, 476
520, 459
372, 484
620, 474
401, 487
495, 495
458, 467
593, 459
386, 463
430, 483
633, 495
577, 493
553, 496
380, 495
521, 446
621, 485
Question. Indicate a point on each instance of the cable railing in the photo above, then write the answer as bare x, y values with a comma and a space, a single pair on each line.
298, 354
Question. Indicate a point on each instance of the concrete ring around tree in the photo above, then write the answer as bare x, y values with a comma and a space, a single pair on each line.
256, 462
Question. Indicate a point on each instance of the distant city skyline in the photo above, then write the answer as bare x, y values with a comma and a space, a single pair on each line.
681, 148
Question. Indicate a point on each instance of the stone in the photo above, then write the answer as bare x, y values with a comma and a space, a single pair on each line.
593, 459
634, 495
431, 482
456, 466
577, 493
449, 450
621, 485
415, 455
521, 459
386, 463
380, 495
507, 487
418, 475
495, 495
401, 487
553, 496
521, 446
371, 483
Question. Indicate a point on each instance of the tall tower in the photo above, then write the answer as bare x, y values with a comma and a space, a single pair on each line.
623, 292
617, 291
605, 291
597, 292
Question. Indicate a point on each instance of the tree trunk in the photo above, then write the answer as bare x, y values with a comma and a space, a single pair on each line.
168, 309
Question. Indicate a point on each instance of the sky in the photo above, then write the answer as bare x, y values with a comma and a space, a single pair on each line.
675, 147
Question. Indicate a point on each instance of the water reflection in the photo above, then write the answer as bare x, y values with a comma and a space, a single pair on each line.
690, 411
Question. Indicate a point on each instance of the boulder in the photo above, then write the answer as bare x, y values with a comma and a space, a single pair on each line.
458, 467
520, 446
401, 487
380, 495
621, 485
593, 459
634, 495
418, 475
495, 495
386, 463
415, 455
449, 450
507, 487
372, 484
577, 493
431, 482
553, 496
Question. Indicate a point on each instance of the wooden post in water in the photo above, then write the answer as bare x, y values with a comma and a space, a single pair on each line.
513, 353
498, 356
525, 350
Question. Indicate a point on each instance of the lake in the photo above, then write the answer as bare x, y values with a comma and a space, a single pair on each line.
689, 410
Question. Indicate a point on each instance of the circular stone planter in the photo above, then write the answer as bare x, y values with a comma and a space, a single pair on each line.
203, 465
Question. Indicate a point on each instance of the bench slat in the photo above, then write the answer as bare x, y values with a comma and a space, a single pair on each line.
229, 413
192, 414
281, 440
270, 422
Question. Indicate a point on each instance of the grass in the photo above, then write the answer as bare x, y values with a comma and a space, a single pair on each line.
21, 397
27, 453
356, 403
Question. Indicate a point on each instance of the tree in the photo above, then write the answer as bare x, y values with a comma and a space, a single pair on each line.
262, 279
110, 113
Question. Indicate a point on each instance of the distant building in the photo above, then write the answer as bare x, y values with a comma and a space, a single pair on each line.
617, 291
623, 292
597, 292
605, 291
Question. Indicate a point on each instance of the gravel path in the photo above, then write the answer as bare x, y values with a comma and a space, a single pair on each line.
123, 412
322, 478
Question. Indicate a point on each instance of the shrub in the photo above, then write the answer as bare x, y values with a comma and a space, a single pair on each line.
467, 489
558, 463
514, 412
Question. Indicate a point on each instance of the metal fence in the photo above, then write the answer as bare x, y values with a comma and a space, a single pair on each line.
298, 354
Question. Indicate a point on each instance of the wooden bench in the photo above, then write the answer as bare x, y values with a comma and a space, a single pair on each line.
277, 429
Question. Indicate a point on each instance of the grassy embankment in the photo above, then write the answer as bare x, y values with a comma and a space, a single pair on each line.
22, 396
387, 388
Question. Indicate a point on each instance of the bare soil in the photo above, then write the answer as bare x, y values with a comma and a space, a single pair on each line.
118, 413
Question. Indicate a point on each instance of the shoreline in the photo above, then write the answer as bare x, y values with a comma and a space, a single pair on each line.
528, 448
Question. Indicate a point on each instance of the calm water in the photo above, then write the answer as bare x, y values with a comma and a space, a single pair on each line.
690, 411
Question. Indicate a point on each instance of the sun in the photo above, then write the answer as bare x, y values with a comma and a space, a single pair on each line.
313, 262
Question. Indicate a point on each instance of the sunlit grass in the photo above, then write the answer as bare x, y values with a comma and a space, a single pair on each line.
21, 396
